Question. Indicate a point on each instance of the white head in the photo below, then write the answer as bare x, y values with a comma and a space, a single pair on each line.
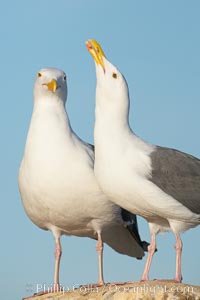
50, 85
112, 89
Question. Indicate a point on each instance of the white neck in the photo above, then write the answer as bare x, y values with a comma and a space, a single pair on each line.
111, 119
49, 129
47, 111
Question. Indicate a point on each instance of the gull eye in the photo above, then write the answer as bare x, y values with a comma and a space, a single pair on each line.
114, 75
65, 77
39, 74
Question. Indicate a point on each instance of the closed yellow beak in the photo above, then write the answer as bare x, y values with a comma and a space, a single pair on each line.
96, 51
52, 85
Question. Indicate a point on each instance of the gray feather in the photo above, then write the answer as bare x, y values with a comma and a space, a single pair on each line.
177, 174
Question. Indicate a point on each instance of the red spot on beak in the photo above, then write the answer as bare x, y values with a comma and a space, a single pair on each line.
89, 46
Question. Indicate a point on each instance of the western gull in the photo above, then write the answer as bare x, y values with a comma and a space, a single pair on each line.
57, 184
160, 184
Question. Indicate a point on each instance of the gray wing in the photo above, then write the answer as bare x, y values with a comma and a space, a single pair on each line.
177, 174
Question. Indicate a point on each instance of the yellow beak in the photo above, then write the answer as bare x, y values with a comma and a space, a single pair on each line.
96, 51
52, 85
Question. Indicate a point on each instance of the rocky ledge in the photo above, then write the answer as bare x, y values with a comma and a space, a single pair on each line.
151, 290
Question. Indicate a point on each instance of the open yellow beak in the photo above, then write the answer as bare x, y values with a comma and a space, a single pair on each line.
96, 51
52, 85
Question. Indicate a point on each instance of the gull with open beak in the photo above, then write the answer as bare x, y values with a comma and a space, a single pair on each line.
160, 184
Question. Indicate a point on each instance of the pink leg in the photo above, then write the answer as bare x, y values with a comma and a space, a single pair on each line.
99, 248
58, 253
178, 247
151, 251
56, 286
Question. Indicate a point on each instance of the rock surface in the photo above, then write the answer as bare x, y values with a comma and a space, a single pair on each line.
151, 290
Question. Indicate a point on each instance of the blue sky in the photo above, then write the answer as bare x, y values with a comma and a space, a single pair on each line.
156, 46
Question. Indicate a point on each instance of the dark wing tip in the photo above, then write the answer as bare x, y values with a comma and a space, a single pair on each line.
131, 223
145, 245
